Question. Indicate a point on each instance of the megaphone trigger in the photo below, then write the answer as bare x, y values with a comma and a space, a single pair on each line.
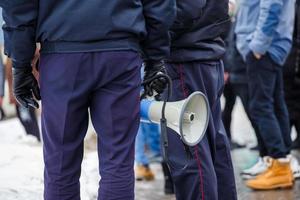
164, 138
188, 152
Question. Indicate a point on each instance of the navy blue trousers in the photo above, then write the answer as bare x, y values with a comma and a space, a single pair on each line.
267, 106
107, 83
209, 174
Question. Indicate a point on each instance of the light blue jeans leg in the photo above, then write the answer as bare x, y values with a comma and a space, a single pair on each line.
140, 142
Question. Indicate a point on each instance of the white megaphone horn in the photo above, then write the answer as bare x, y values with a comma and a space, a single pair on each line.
189, 117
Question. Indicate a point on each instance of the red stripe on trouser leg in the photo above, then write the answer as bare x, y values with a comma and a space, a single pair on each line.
200, 171
185, 94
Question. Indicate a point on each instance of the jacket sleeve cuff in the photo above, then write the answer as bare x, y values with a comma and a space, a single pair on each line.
260, 43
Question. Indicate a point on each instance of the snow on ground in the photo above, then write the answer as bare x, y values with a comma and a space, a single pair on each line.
20, 163
21, 166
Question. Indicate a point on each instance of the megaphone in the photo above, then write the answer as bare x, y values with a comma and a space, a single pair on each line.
189, 117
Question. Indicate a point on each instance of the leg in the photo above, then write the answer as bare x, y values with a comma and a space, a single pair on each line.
188, 175
281, 112
115, 115
153, 139
223, 163
230, 98
297, 126
142, 170
64, 122
262, 85
198, 178
27, 116
2, 81
242, 91
296, 123
140, 157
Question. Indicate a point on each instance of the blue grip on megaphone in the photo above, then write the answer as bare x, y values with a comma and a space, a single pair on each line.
145, 105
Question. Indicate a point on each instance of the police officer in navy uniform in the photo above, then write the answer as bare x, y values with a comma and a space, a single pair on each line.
204, 171
90, 59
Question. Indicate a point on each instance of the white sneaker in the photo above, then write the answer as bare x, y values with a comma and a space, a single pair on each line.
258, 168
294, 166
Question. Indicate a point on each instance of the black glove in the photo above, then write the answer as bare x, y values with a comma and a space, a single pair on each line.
152, 84
25, 86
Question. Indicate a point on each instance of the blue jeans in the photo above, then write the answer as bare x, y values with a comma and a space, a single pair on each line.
267, 106
148, 135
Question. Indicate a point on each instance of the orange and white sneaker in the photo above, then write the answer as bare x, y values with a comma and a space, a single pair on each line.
278, 175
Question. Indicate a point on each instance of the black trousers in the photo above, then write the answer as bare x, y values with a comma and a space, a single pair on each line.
231, 91
28, 119
296, 123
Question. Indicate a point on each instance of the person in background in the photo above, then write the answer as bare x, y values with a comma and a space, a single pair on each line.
145, 141
261, 164
2, 71
232, 7
291, 76
205, 170
147, 149
231, 91
2, 82
27, 116
264, 38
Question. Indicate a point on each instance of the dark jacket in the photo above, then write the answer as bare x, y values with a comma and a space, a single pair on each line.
86, 26
196, 33
291, 72
233, 61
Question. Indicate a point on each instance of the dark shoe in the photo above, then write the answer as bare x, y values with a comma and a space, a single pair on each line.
296, 144
169, 186
169, 190
235, 145
2, 114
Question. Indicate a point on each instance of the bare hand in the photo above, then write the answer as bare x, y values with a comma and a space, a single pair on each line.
226, 77
257, 55
35, 60
232, 9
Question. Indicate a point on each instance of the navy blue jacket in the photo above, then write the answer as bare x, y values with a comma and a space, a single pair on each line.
196, 33
86, 26
233, 61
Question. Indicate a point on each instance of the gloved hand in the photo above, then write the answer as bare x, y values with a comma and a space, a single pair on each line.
25, 87
151, 85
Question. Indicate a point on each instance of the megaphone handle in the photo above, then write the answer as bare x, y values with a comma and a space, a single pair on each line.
188, 151
164, 138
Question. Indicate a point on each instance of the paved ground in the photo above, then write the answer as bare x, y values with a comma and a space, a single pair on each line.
21, 167
242, 159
